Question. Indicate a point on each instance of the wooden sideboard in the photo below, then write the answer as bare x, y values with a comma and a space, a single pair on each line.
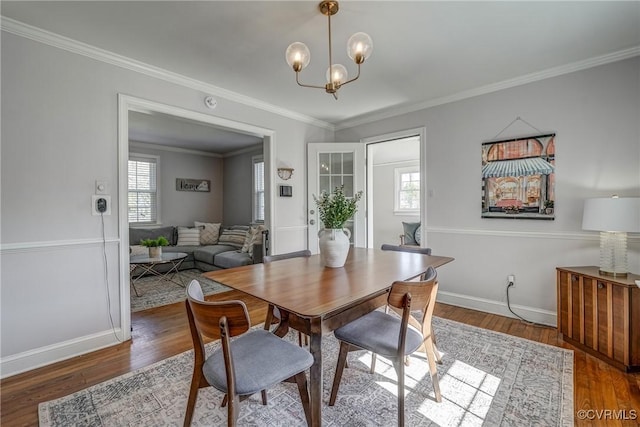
600, 314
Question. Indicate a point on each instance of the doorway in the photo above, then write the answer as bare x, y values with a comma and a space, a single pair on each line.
127, 104
396, 185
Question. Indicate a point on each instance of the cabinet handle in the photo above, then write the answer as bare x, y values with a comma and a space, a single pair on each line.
600, 285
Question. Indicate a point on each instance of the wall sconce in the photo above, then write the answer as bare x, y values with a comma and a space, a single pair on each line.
285, 173
613, 217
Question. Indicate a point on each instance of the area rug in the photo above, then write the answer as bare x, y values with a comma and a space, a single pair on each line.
486, 379
155, 292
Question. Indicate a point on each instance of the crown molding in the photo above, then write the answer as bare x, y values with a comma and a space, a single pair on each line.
61, 42
483, 90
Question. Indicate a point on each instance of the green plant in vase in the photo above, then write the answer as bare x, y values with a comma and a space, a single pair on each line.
155, 246
335, 209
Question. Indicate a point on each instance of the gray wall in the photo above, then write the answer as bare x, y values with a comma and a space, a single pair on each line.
595, 115
185, 207
238, 188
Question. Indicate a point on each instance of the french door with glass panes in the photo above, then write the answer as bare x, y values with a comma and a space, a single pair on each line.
331, 165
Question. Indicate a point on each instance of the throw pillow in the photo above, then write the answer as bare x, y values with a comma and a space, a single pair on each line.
209, 232
253, 236
188, 236
233, 238
410, 232
417, 234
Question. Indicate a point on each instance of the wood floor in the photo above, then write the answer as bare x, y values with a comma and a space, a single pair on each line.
162, 332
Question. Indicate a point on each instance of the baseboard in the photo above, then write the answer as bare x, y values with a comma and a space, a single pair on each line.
32, 359
531, 314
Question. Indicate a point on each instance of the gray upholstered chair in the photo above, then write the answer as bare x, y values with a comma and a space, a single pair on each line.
253, 362
272, 311
427, 275
390, 336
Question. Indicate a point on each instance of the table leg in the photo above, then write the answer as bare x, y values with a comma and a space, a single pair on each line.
315, 382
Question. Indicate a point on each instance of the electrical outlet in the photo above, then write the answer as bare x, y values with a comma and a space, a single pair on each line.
102, 202
511, 280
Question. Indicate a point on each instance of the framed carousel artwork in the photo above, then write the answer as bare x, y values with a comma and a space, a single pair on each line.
518, 178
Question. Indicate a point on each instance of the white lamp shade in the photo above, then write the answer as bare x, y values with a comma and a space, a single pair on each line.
612, 214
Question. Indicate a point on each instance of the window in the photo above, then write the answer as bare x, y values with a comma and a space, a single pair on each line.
258, 189
407, 186
143, 191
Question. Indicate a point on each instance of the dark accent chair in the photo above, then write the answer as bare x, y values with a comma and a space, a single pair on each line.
389, 336
253, 362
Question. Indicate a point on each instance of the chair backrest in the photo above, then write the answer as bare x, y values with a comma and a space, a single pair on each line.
297, 254
412, 296
414, 249
206, 315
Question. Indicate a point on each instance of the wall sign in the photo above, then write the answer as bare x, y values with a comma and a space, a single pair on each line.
184, 184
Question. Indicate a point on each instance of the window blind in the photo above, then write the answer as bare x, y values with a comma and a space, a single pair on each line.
258, 190
143, 193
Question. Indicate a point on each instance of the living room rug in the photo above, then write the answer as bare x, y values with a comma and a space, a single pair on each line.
487, 379
155, 292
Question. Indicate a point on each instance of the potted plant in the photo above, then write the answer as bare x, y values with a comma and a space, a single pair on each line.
155, 246
335, 209
548, 207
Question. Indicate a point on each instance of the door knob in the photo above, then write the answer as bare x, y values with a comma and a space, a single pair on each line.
312, 211
312, 222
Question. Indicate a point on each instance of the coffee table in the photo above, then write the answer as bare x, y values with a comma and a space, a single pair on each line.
148, 265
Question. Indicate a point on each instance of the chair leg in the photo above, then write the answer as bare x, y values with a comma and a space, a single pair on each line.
269, 318
264, 397
373, 363
301, 380
342, 359
224, 401
431, 358
233, 408
193, 396
435, 347
399, 365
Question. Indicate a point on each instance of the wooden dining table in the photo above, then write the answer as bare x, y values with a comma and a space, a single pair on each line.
314, 299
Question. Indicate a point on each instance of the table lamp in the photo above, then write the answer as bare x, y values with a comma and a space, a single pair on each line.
613, 217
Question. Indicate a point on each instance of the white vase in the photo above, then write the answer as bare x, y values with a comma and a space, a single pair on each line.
334, 246
155, 252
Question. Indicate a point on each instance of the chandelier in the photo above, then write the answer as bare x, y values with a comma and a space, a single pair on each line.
359, 48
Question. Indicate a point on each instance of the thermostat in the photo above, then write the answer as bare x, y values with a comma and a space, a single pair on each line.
286, 191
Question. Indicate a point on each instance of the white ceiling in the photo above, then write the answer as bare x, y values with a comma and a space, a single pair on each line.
425, 52
171, 131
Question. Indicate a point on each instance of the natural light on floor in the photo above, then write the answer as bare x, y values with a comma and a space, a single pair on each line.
467, 392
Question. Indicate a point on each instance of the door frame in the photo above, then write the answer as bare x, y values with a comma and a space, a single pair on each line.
128, 103
421, 132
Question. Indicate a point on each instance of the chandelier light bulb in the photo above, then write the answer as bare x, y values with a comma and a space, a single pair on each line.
359, 47
298, 56
337, 74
